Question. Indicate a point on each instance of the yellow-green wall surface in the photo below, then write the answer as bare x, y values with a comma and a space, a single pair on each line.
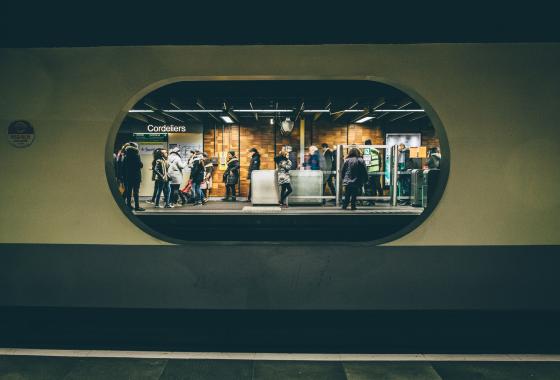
499, 104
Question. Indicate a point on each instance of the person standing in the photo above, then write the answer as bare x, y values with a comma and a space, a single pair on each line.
132, 175
284, 165
206, 185
330, 161
119, 170
231, 176
434, 158
354, 175
403, 178
162, 179
175, 174
372, 186
314, 160
197, 177
254, 164
154, 157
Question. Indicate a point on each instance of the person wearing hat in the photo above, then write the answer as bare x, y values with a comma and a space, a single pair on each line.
254, 164
231, 175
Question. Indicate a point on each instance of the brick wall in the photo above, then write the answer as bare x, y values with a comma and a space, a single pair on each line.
262, 136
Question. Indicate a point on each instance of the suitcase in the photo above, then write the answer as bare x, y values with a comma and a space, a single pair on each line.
417, 188
431, 177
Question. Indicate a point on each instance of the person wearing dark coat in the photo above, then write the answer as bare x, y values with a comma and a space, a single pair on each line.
330, 159
132, 175
354, 175
231, 176
254, 164
197, 177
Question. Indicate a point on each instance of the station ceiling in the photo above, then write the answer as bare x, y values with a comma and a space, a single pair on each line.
256, 102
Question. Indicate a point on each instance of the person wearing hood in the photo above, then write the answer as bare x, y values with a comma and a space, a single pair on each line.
284, 165
354, 175
132, 175
231, 175
175, 173
254, 164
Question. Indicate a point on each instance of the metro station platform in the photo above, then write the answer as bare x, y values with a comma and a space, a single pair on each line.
83, 364
243, 207
241, 221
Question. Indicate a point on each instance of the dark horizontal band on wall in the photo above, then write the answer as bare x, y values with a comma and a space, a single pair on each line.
282, 276
435, 331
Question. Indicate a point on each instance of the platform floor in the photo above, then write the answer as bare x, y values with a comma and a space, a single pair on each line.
42, 364
242, 207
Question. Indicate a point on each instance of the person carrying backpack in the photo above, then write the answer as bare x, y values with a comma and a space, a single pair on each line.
231, 176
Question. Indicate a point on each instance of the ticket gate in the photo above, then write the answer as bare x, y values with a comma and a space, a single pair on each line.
391, 170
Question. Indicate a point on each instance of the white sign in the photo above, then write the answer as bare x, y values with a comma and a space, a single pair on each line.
166, 128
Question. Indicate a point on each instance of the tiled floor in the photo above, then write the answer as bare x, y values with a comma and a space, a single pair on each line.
44, 368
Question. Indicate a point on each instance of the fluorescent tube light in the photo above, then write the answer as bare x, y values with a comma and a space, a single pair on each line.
142, 111
227, 119
399, 110
364, 119
263, 111
192, 111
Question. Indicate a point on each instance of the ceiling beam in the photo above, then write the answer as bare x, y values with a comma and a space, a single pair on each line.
417, 117
175, 104
256, 114
158, 111
403, 104
318, 114
229, 111
139, 117
201, 106
299, 112
339, 114
401, 116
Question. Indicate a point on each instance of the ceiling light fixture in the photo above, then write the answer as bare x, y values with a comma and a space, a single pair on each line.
227, 119
399, 110
364, 119
192, 111
264, 111
142, 111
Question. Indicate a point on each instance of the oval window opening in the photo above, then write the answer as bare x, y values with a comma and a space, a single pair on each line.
278, 161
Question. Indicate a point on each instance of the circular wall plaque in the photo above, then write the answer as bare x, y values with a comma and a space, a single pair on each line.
20, 134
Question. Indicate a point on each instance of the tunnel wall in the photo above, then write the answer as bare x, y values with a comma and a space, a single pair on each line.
497, 102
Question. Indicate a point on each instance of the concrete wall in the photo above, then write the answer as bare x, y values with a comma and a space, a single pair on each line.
498, 102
